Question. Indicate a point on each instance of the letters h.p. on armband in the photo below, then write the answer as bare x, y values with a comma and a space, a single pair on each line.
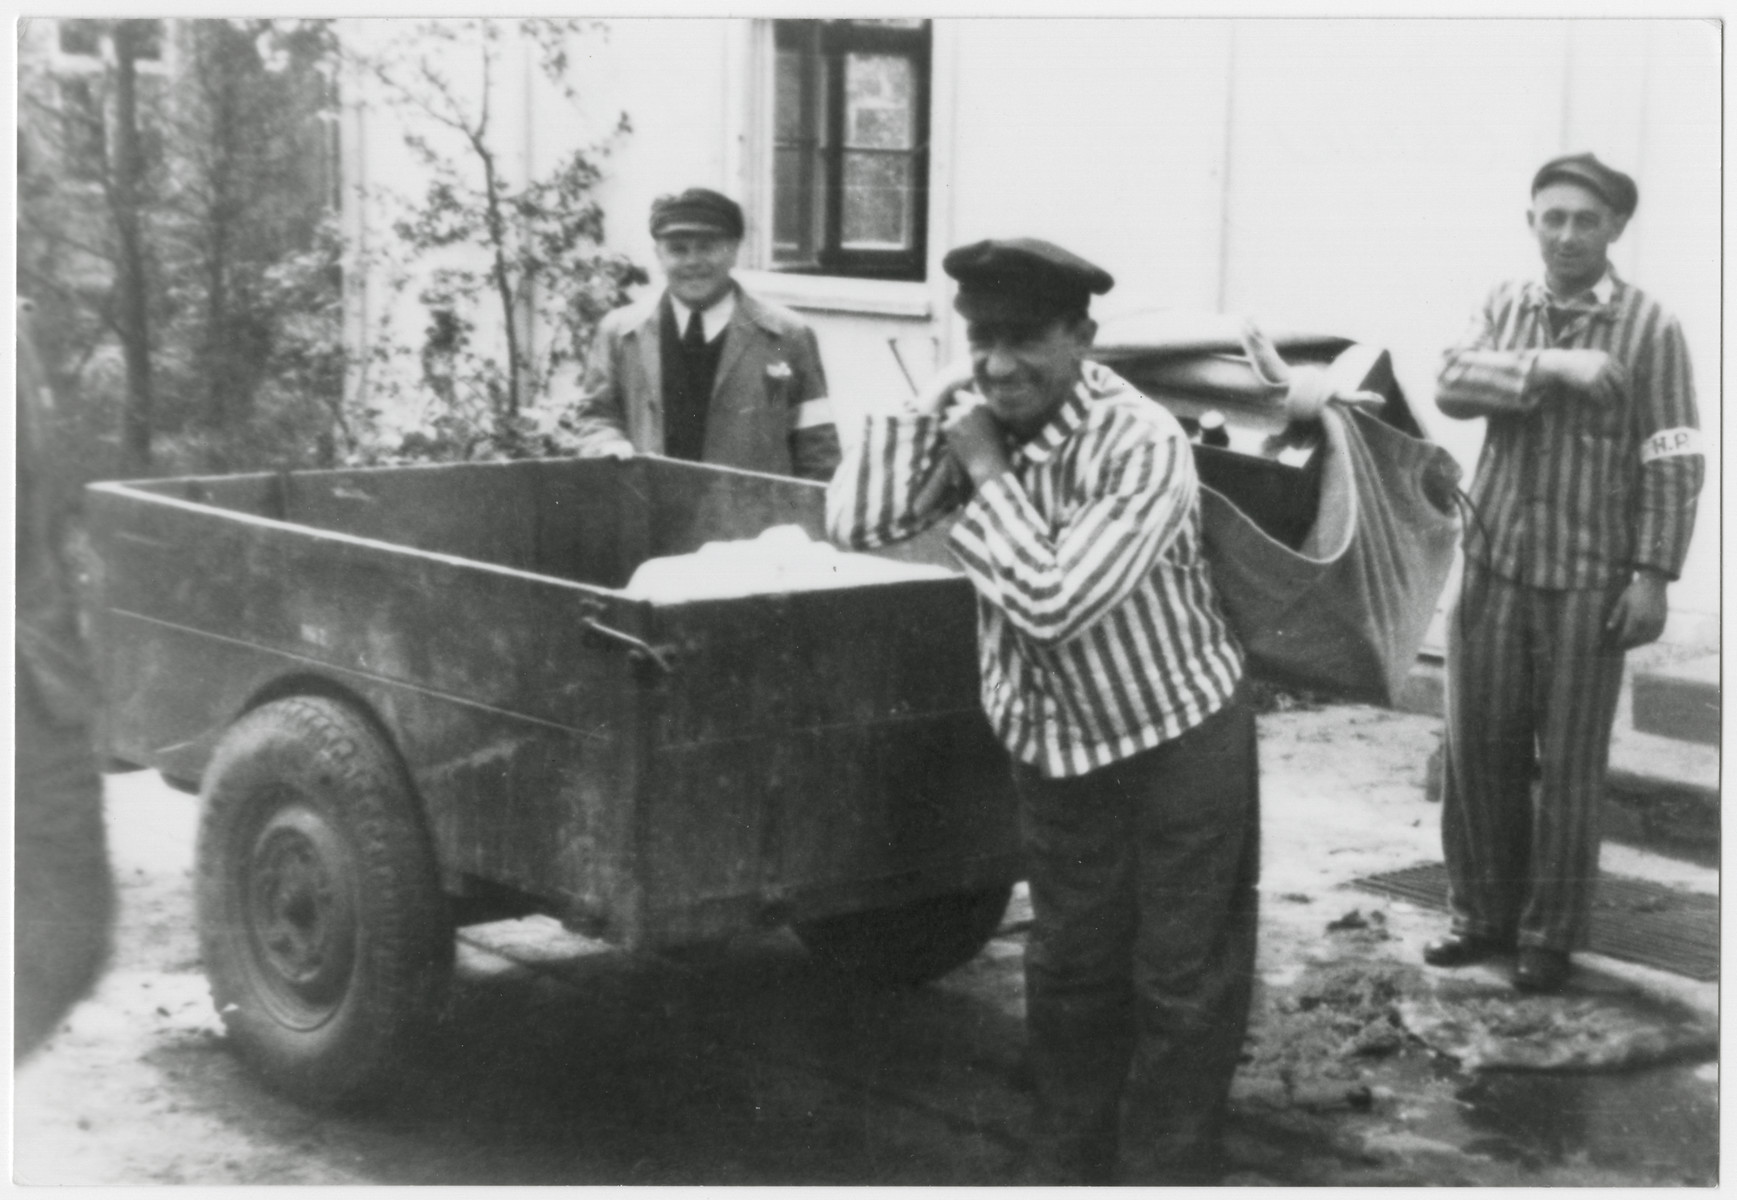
1671, 443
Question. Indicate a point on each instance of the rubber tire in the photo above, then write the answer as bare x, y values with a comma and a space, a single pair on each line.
911, 944
321, 920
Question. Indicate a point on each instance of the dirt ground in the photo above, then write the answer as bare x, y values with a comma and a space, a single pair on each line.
565, 1062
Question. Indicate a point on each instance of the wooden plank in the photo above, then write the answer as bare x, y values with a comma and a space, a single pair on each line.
759, 665
824, 821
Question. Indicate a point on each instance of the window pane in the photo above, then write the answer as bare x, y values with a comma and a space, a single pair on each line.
877, 201
787, 106
81, 37
880, 102
83, 125
148, 41
788, 207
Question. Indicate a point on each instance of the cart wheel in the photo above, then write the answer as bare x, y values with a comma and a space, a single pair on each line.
321, 919
911, 944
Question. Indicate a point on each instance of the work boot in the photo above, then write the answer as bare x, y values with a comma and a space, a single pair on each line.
1541, 969
1463, 949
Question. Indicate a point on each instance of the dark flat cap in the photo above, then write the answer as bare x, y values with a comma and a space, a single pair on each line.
697, 210
1007, 276
1607, 183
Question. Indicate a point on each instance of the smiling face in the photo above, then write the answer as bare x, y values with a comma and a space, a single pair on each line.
1026, 368
1574, 228
698, 266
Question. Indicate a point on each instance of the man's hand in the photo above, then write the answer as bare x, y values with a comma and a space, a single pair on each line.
1589, 373
938, 393
976, 439
1639, 614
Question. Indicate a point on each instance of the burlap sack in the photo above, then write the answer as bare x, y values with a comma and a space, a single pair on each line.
1346, 611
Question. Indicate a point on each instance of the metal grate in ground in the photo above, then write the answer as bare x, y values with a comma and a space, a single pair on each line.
1632, 919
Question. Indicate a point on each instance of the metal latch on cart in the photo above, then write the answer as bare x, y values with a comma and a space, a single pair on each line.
638, 649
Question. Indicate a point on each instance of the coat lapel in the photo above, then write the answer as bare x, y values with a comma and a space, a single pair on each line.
736, 336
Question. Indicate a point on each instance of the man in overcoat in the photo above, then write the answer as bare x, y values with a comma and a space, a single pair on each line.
706, 371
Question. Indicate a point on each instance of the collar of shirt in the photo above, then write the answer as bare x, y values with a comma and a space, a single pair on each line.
712, 320
1592, 299
1094, 381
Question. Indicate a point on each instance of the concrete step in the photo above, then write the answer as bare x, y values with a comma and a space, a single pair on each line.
1679, 699
1662, 792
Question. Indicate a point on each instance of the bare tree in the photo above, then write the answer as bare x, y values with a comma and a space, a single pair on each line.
535, 239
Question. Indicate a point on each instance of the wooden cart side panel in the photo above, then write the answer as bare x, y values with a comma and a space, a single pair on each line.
480, 511
593, 518
693, 504
524, 730
509, 800
825, 821
821, 751
758, 666
511, 640
577, 519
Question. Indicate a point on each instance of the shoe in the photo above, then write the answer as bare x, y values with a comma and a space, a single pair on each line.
1461, 950
1540, 969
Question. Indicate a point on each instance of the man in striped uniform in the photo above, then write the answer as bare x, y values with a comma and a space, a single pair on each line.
1585, 498
1110, 674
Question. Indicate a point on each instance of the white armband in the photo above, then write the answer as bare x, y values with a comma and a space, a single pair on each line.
810, 413
1671, 443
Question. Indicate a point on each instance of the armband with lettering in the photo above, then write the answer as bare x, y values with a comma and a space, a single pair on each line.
1671, 443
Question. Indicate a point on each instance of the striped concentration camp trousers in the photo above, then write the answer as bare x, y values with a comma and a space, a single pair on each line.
1532, 695
1099, 633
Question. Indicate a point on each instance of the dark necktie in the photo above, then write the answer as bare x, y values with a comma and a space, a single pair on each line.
695, 337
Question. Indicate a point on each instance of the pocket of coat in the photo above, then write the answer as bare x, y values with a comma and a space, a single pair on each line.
779, 379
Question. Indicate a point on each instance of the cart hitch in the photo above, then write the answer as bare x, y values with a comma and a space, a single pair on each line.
638, 649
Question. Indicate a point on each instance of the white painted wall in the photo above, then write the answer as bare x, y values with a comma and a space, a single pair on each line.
1358, 176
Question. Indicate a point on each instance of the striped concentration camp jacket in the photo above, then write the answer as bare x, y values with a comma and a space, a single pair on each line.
1575, 491
1099, 634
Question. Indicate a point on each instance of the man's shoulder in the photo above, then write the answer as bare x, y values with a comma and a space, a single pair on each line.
631, 316
772, 317
1652, 311
1118, 406
1509, 292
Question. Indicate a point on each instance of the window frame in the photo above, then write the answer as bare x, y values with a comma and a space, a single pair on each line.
831, 41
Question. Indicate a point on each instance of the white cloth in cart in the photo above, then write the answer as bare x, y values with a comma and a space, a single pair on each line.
781, 559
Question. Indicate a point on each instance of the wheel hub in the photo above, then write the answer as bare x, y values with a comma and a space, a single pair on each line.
300, 913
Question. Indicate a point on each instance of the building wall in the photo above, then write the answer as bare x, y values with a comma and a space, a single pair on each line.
1357, 176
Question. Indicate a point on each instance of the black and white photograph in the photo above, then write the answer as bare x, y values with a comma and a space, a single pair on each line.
885, 599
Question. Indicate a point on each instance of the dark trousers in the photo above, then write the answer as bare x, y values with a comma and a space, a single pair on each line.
1532, 695
1141, 958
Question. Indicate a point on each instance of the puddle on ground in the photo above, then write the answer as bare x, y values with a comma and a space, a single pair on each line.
1662, 1122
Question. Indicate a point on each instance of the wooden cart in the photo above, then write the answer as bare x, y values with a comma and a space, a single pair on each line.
417, 697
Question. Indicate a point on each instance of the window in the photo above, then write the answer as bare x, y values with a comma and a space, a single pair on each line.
83, 131
147, 40
850, 170
84, 38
